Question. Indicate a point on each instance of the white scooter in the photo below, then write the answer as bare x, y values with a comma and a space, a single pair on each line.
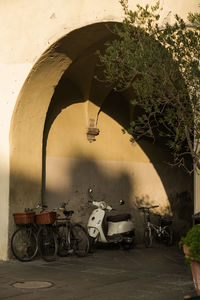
110, 229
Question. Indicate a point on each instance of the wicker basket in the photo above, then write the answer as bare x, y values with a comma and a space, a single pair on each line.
46, 218
24, 218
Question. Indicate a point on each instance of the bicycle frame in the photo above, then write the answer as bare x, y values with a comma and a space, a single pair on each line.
161, 231
73, 238
158, 229
66, 224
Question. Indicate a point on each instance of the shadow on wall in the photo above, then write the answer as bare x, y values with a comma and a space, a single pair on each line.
110, 183
69, 179
177, 183
179, 188
107, 181
66, 93
21, 185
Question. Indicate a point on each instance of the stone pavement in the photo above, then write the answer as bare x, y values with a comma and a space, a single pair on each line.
158, 273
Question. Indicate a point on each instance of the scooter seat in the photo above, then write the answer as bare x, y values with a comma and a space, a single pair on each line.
118, 218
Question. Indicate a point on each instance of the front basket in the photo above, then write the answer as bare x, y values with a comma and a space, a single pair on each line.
24, 218
46, 218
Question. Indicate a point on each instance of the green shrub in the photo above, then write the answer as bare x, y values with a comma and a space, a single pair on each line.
192, 240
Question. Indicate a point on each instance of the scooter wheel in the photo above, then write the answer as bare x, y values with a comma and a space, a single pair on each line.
91, 244
127, 245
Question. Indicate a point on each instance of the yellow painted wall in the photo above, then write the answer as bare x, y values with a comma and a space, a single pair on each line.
68, 138
31, 65
112, 165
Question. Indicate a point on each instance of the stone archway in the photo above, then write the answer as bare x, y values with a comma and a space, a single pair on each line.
68, 67
27, 126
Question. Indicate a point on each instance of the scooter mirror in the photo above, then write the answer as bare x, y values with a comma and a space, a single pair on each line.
90, 193
121, 202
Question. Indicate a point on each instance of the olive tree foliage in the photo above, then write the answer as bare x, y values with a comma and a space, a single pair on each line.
161, 66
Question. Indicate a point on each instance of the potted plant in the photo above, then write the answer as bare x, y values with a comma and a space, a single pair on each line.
191, 248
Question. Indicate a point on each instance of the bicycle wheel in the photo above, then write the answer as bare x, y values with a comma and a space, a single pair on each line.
79, 240
148, 239
168, 236
47, 243
63, 244
24, 244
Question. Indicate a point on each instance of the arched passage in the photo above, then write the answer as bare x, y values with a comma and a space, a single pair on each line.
27, 127
62, 82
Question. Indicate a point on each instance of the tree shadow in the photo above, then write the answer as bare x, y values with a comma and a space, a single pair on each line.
79, 175
177, 183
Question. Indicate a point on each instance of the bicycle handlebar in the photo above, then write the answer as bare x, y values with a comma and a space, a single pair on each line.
41, 206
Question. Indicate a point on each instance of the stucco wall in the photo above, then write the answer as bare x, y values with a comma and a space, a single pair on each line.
28, 29
113, 166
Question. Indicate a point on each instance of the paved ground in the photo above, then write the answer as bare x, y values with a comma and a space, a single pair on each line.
158, 273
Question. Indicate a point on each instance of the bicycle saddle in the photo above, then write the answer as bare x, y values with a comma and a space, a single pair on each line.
118, 218
68, 212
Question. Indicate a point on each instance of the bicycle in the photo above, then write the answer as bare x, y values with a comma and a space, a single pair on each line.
46, 236
24, 243
24, 240
62, 237
71, 237
163, 231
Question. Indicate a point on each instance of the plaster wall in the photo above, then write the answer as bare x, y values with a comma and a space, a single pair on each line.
115, 168
31, 27
28, 29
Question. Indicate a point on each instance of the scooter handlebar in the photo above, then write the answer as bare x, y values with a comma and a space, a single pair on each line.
109, 208
101, 204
